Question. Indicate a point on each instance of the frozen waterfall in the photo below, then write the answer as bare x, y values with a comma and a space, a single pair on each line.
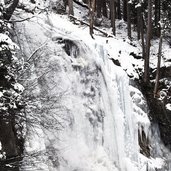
81, 116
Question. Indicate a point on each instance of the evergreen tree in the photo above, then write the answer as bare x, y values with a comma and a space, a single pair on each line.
11, 100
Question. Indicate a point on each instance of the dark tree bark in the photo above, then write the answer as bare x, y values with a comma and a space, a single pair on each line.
10, 10
91, 13
65, 2
70, 4
99, 8
158, 67
148, 42
142, 32
113, 15
157, 17
119, 9
138, 22
129, 19
81, 4
104, 9
125, 10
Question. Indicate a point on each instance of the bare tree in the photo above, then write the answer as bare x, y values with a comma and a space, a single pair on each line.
113, 15
125, 10
140, 28
91, 13
157, 17
148, 42
158, 65
119, 9
104, 8
138, 21
129, 18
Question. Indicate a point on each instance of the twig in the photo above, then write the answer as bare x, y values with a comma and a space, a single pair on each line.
15, 21
36, 51
25, 19
81, 4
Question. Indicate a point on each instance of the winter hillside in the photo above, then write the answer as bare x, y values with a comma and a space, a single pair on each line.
85, 108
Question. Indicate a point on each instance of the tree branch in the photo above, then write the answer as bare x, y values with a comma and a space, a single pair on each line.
81, 4
36, 51
95, 28
17, 21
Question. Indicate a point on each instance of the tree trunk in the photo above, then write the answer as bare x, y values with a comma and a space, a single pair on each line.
113, 15
91, 13
141, 23
70, 4
99, 8
129, 19
125, 10
158, 67
10, 10
138, 22
157, 18
119, 9
148, 43
104, 9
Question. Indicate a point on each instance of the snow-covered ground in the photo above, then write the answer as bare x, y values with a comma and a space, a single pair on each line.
84, 117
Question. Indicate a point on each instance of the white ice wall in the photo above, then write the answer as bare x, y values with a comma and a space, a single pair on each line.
85, 118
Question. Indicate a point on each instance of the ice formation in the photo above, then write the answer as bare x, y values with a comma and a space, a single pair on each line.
84, 117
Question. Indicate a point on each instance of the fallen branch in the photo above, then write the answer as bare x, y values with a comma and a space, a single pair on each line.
87, 24
81, 4
17, 21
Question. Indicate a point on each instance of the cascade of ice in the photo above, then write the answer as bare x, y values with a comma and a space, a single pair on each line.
102, 132
80, 104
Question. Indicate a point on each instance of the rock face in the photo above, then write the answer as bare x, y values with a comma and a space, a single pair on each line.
160, 115
159, 112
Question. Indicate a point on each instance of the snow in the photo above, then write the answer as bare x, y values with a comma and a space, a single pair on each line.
35, 142
153, 163
1, 94
168, 106
92, 101
138, 5
2, 153
5, 38
18, 87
